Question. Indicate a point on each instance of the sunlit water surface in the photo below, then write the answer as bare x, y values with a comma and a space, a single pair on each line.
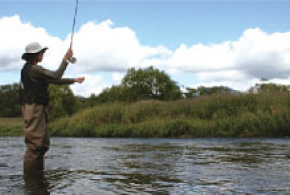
150, 166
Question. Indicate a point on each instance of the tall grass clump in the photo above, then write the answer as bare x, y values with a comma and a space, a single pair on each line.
11, 126
252, 115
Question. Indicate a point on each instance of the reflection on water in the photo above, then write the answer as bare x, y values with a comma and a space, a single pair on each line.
150, 166
36, 183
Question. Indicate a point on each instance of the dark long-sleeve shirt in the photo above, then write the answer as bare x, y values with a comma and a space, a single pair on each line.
53, 77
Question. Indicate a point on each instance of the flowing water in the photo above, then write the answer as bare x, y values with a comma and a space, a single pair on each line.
150, 166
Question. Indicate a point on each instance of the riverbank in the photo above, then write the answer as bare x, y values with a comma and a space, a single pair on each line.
263, 115
11, 126
260, 115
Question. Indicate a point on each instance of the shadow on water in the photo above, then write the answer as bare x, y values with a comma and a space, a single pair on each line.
36, 183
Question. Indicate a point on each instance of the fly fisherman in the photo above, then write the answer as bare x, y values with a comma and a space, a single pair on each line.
34, 99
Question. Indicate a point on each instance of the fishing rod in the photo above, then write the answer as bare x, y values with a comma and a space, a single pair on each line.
73, 59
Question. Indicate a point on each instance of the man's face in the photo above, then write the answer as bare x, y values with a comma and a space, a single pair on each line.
39, 56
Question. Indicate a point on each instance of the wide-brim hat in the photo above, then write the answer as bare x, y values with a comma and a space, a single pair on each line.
33, 48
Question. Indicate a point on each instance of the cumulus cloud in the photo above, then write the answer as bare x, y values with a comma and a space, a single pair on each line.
263, 55
93, 84
107, 48
238, 64
256, 53
15, 35
230, 78
203, 57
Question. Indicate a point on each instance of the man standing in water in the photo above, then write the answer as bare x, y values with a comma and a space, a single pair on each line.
34, 99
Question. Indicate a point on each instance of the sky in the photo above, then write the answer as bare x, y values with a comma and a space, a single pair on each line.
231, 43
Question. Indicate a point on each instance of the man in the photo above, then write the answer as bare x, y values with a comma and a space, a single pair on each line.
34, 99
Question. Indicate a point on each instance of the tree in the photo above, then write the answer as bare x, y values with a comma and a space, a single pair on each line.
115, 93
268, 87
142, 84
201, 91
219, 90
62, 101
9, 100
150, 83
191, 93
83, 102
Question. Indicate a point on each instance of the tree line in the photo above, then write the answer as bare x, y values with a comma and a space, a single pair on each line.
138, 84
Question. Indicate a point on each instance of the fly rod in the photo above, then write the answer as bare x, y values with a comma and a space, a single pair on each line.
73, 59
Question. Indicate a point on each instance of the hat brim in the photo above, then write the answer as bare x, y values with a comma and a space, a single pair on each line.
24, 55
42, 50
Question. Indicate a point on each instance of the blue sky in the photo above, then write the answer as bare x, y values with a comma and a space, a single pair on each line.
170, 28
166, 22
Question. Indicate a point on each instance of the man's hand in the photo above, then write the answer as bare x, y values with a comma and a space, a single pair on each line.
68, 55
79, 79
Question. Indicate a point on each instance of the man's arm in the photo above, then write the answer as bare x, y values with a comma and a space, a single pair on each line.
66, 81
61, 81
38, 72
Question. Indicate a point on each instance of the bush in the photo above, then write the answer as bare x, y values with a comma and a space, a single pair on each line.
215, 116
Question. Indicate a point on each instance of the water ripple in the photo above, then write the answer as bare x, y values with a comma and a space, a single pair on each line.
151, 166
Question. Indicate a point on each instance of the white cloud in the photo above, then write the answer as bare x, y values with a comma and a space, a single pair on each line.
263, 55
15, 35
117, 77
92, 84
237, 64
232, 78
104, 47
107, 48
256, 53
203, 58
233, 75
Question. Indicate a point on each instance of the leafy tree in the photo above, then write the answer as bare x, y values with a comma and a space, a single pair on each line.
268, 87
219, 90
191, 93
141, 84
115, 93
9, 101
201, 91
83, 102
150, 83
62, 101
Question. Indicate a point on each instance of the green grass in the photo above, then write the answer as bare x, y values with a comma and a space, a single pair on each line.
262, 115
11, 126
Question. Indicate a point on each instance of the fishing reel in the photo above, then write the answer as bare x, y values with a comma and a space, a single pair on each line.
72, 60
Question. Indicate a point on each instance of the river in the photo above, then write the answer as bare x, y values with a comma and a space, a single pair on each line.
150, 166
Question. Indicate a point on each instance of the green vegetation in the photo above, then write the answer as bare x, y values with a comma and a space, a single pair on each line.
61, 101
142, 84
9, 104
252, 115
266, 115
11, 126
148, 103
